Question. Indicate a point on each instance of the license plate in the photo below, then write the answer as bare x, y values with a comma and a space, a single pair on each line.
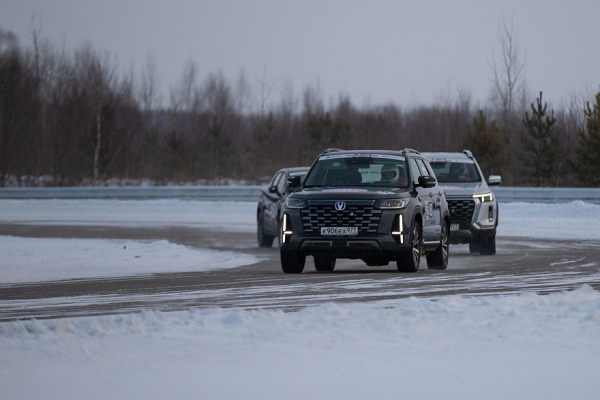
454, 227
329, 231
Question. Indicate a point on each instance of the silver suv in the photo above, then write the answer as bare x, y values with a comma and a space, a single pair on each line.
473, 206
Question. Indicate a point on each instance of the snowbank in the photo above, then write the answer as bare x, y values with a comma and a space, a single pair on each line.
144, 213
37, 259
529, 346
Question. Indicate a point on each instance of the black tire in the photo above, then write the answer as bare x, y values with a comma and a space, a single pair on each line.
474, 247
292, 262
324, 263
438, 259
487, 246
409, 261
263, 239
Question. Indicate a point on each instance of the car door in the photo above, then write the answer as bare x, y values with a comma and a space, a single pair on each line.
274, 197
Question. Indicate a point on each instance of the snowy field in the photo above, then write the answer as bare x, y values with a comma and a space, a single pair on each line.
452, 347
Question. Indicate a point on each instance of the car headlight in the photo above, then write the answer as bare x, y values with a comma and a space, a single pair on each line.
485, 197
391, 203
296, 203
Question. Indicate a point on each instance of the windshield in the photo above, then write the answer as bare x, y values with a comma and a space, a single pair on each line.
358, 170
447, 171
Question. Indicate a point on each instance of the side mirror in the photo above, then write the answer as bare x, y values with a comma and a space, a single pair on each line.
494, 180
427, 181
294, 182
273, 189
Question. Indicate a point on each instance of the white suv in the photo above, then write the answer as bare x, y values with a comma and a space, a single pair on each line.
473, 206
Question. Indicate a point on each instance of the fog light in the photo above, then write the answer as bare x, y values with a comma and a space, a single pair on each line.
491, 214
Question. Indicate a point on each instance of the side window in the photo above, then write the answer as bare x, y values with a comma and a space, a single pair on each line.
414, 170
282, 184
423, 168
429, 168
277, 180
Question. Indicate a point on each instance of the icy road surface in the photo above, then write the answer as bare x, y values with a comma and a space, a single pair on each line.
522, 324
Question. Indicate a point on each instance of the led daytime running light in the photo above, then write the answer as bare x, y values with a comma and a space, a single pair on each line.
484, 197
285, 232
400, 230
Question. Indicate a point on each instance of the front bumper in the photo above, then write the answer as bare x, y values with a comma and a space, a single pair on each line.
392, 237
483, 224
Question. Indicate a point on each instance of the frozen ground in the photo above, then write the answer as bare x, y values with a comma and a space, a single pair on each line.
33, 259
506, 347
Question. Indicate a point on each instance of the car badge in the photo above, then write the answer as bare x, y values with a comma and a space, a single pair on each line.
340, 206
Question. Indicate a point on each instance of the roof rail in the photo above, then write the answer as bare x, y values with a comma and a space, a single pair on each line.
409, 150
331, 150
468, 153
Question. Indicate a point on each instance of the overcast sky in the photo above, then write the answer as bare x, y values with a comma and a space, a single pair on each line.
375, 51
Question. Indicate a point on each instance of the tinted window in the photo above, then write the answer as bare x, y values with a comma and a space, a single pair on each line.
358, 170
282, 184
414, 170
277, 179
423, 168
455, 171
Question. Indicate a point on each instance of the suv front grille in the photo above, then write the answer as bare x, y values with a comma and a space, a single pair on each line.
365, 218
461, 212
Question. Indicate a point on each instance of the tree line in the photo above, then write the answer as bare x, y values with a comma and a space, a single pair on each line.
74, 119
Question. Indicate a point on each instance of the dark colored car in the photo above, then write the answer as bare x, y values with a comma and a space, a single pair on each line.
270, 201
374, 205
473, 206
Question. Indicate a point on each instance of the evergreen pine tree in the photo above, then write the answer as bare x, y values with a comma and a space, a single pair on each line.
487, 144
541, 145
588, 151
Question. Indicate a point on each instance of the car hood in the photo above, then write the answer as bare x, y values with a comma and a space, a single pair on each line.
461, 189
349, 193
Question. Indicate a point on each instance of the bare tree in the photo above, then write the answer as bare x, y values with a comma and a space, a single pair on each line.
509, 95
149, 91
313, 99
19, 111
266, 87
96, 68
219, 110
242, 93
183, 96
508, 74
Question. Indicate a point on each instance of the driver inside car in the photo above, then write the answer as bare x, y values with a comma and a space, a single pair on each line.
390, 175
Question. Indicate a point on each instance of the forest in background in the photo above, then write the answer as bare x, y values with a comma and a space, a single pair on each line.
73, 119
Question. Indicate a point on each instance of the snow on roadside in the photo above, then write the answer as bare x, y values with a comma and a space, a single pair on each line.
145, 213
576, 220
49, 259
499, 347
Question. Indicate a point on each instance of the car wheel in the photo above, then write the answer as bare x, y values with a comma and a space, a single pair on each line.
438, 259
324, 263
488, 247
264, 240
409, 261
292, 262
